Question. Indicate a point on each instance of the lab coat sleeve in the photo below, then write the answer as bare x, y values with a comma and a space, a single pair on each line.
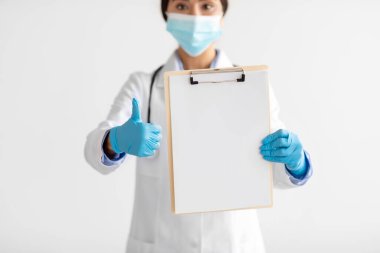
121, 110
282, 178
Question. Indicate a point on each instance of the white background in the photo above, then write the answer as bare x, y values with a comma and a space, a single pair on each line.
62, 63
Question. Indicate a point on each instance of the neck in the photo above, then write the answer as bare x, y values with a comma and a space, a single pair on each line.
202, 61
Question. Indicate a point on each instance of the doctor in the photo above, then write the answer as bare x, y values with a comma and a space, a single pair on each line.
196, 25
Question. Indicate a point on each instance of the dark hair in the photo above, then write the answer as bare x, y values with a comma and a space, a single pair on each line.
164, 7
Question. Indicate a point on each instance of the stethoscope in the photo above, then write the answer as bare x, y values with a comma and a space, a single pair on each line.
151, 88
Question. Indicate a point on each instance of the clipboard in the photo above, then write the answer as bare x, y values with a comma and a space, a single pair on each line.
213, 151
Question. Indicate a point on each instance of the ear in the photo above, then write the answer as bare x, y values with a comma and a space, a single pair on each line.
222, 21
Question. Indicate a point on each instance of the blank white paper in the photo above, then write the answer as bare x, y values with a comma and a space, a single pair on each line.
217, 130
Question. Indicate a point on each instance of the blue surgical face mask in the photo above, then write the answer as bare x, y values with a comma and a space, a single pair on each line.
194, 33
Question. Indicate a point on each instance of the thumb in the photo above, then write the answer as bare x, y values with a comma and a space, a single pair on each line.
135, 111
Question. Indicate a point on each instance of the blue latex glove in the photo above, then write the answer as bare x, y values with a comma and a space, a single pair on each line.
135, 137
284, 147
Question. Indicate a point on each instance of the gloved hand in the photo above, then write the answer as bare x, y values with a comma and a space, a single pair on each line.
135, 137
284, 147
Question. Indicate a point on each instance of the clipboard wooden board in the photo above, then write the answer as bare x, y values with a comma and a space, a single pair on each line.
216, 119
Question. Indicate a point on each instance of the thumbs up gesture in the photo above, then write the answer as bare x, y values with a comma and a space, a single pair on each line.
134, 136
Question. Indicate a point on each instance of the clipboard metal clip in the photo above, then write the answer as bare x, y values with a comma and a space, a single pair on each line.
215, 71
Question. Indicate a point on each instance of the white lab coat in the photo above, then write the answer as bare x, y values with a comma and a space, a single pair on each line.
154, 228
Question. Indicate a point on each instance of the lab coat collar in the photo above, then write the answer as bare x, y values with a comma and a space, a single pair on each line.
172, 64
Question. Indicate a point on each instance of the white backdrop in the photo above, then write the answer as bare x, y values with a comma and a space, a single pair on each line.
62, 63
